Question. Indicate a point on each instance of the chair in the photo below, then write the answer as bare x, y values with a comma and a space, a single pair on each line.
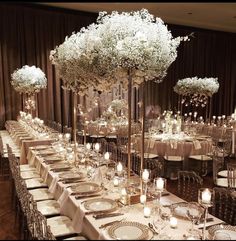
224, 205
219, 166
231, 175
202, 163
188, 184
4, 164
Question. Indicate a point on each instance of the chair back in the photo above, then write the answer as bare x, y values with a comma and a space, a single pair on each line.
231, 175
188, 184
224, 204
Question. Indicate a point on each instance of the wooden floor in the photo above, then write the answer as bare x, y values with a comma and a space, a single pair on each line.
8, 228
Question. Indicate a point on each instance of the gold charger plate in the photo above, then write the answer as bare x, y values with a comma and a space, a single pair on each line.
71, 175
129, 231
225, 228
101, 204
86, 188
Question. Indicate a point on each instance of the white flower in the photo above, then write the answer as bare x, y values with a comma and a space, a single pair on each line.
28, 79
103, 53
195, 85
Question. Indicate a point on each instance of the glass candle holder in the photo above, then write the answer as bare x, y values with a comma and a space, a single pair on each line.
205, 198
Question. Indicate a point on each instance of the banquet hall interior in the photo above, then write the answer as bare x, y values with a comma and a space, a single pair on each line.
117, 121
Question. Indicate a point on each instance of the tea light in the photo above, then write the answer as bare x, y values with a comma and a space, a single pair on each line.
191, 238
123, 192
67, 136
160, 184
173, 222
60, 136
145, 175
97, 146
147, 212
88, 146
143, 199
106, 156
119, 167
206, 196
116, 182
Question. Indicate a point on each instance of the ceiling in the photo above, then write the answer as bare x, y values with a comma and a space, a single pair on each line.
215, 16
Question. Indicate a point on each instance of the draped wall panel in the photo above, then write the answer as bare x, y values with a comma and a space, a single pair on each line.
29, 32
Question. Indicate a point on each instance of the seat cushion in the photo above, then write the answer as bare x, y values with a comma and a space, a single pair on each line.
35, 183
60, 226
48, 207
26, 167
41, 194
173, 158
29, 174
201, 157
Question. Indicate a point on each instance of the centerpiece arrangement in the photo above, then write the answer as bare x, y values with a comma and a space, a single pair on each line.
133, 48
28, 81
130, 47
196, 91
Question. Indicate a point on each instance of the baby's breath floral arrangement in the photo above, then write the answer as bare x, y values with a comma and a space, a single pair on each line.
197, 90
117, 46
28, 79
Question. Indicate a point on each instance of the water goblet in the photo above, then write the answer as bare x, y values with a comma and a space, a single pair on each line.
194, 213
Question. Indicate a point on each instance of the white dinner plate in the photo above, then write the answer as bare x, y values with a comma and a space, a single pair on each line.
129, 231
101, 204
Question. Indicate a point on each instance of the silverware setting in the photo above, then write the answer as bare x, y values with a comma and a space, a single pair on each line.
111, 223
108, 215
85, 196
208, 226
152, 228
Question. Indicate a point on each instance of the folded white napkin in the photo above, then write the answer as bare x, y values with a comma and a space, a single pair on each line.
45, 173
63, 199
173, 144
97, 177
197, 144
53, 185
152, 143
32, 159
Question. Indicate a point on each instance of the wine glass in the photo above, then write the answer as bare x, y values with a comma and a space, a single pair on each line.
194, 213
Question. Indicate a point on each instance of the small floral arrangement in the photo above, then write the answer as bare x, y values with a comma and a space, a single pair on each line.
117, 105
28, 79
195, 85
195, 91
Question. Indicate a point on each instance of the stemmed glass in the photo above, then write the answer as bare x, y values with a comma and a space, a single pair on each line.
194, 213
159, 187
205, 199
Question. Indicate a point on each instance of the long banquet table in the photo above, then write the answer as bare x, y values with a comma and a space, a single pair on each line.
87, 224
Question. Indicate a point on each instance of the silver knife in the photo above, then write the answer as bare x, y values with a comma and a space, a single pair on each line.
107, 215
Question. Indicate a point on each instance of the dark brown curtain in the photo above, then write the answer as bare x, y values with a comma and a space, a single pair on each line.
28, 32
